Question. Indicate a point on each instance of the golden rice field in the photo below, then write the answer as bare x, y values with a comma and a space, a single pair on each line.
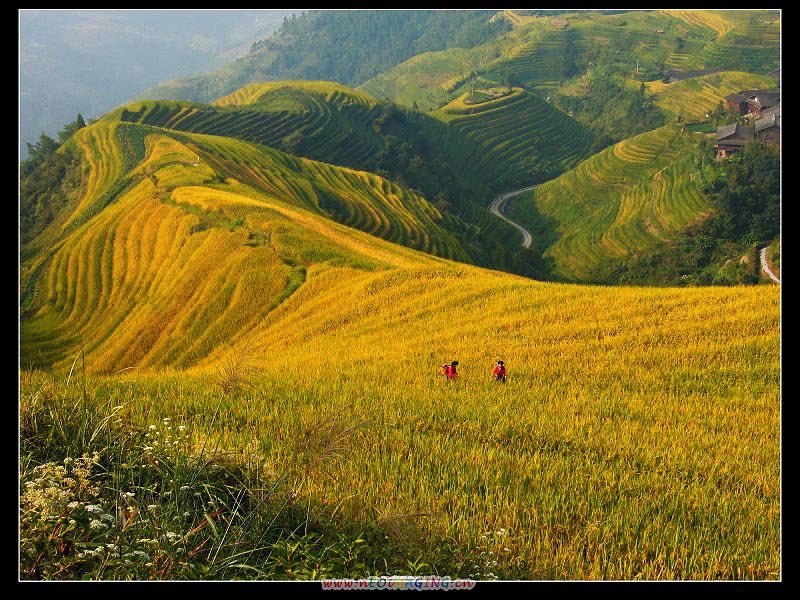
517, 20
712, 20
146, 281
693, 98
628, 198
638, 436
253, 93
99, 145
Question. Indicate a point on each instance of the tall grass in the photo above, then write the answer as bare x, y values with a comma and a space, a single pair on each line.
104, 497
639, 442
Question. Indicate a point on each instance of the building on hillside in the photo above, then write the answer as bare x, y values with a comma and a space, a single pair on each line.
738, 102
673, 76
772, 110
731, 139
768, 130
762, 100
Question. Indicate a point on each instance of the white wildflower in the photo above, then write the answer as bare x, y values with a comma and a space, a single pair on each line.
152, 428
97, 524
93, 508
73, 505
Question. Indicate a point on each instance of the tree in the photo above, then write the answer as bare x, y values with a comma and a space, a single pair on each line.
70, 128
507, 78
37, 153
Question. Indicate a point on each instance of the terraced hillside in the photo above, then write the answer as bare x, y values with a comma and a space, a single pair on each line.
522, 130
431, 79
589, 442
543, 64
331, 123
629, 198
540, 57
714, 21
694, 98
173, 209
753, 45
325, 121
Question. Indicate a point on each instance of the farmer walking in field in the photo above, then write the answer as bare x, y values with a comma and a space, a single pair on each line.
499, 372
449, 370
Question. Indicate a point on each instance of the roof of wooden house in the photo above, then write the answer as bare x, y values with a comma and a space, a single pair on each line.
734, 133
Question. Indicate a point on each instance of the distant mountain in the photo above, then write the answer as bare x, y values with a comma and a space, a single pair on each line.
348, 47
87, 61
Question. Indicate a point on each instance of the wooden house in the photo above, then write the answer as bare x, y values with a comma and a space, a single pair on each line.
768, 130
738, 102
762, 100
731, 139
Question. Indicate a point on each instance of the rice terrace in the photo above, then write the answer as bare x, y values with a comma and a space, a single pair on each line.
496, 298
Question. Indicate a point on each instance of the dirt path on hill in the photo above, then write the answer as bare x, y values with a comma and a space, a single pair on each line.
765, 266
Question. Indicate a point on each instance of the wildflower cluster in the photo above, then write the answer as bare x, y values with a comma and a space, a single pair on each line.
494, 545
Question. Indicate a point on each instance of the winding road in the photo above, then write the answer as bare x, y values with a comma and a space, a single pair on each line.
765, 266
496, 208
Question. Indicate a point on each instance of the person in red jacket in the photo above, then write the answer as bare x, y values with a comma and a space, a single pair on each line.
449, 370
499, 372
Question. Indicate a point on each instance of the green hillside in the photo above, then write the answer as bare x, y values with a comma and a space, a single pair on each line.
521, 129
314, 120
541, 57
630, 198
693, 98
348, 46
751, 44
